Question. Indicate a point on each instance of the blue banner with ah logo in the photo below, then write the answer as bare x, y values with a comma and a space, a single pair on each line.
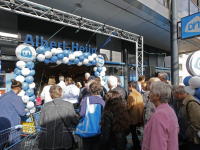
26, 52
190, 26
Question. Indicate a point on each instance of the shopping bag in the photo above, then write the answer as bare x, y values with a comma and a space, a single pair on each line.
89, 125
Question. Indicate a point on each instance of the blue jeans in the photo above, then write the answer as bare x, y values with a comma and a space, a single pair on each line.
192, 146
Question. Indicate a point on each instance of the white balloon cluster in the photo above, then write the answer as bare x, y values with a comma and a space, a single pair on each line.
25, 72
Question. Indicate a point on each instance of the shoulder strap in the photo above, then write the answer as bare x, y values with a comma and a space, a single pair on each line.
188, 103
65, 125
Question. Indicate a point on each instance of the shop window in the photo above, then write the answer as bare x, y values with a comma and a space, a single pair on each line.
116, 56
106, 52
114, 70
193, 8
131, 58
180, 66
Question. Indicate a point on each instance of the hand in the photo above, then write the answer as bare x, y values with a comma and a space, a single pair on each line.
26, 110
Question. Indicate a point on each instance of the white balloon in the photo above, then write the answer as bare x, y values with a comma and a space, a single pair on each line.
33, 110
31, 85
65, 60
54, 51
59, 62
103, 83
80, 63
78, 53
95, 69
194, 82
102, 73
90, 58
104, 69
48, 54
25, 71
30, 105
190, 90
25, 98
59, 50
21, 64
85, 61
41, 57
71, 57
20, 78
22, 93
94, 55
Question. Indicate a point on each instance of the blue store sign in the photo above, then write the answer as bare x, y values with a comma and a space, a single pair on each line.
190, 26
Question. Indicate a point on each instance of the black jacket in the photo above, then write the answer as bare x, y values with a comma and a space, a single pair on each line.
122, 92
110, 139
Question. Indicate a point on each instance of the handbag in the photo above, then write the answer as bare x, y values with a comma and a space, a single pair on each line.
74, 145
89, 125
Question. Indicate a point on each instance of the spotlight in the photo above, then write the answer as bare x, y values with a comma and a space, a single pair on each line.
80, 22
12, 4
51, 14
104, 28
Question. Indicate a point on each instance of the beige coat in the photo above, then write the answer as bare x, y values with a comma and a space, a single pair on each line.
135, 107
192, 118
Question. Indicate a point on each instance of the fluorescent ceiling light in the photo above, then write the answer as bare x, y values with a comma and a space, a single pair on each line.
8, 35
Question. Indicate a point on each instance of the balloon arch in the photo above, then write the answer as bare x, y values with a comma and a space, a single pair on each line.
27, 55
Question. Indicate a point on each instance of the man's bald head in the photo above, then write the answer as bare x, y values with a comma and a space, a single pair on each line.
150, 81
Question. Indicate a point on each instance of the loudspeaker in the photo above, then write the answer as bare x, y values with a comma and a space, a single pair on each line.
150, 71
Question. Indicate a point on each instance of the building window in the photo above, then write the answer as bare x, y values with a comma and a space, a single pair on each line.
107, 53
116, 56
180, 67
180, 79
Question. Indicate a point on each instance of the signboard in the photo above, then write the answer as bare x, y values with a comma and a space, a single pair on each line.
2, 92
190, 26
193, 64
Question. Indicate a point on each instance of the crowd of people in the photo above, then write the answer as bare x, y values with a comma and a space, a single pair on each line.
147, 104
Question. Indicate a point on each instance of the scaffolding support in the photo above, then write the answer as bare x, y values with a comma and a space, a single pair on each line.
38, 11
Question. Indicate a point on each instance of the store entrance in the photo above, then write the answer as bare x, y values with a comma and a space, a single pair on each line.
51, 70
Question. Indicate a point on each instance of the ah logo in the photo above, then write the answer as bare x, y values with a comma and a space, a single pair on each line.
197, 64
193, 25
26, 52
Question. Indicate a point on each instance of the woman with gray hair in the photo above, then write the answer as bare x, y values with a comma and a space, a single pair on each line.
161, 130
53, 118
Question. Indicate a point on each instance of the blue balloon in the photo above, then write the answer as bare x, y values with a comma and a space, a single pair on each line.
94, 62
29, 92
197, 98
70, 63
30, 65
76, 61
81, 58
25, 86
60, 56
41, 49
54, 59
99, 69
29, 79
186, 80
66, 53
46, 61
47, 48
89, 64
32, 98
17, 71
96, 73
197, 93
86, 55
32, 73
104, 79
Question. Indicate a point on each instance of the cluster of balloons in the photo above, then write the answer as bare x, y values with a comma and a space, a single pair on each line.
25, 72
192, 86
57, 55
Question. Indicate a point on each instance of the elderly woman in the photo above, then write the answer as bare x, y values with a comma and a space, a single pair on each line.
92, 143
161, 130
54, 134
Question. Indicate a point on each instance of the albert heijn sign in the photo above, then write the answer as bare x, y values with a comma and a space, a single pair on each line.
40, 41
190, 26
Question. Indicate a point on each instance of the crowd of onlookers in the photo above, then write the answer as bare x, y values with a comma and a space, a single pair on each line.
148, 104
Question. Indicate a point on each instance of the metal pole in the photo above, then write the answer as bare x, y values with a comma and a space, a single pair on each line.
174, 46
125, 60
